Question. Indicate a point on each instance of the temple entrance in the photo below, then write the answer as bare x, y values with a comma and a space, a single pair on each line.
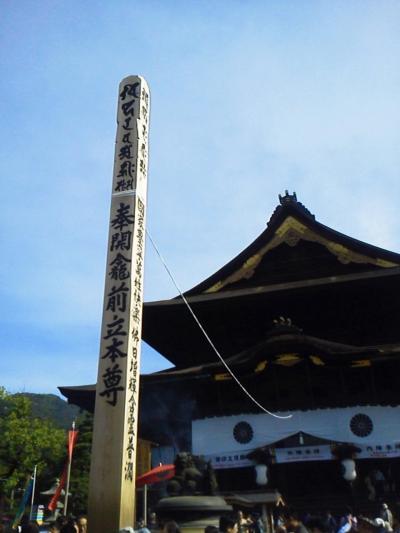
308, 478
319, 485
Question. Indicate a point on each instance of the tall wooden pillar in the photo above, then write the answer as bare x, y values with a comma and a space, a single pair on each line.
113, 462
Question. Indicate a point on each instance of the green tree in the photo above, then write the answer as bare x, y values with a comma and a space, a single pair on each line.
79, 482
26, 441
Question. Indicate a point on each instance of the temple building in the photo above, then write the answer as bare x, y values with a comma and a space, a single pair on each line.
307, 319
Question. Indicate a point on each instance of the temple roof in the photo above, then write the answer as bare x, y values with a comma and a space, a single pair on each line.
294, 246
286, 346
295, 264
287, 352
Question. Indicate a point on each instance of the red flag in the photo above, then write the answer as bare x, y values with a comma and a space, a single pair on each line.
53, 502
72, 436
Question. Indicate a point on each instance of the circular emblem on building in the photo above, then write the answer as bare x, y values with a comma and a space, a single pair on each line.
361, 425
243, 432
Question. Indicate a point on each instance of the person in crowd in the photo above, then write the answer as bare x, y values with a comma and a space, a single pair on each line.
378, 480
152, 522
370, 488
171, 527
211, 529
366, 525
227, 525
347, 522
384, 527
330, 523
7, 528
70, 526
280, 524
396, 525
256, 524
141, 527
30, 527
386, 514
293, 524
316, 524
243, 522
6, 525
391, 479
81, 522
61, 521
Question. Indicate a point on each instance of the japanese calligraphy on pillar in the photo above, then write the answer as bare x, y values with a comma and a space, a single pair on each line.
117, 391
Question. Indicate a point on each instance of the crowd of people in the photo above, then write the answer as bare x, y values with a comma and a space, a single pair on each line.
325, 522
63, 524
288, 521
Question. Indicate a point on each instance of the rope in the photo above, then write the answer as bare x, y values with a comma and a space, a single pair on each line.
207, 336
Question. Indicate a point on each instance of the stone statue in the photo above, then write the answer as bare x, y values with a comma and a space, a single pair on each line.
193, 475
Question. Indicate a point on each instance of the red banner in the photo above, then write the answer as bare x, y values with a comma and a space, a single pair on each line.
72, 436
53, 502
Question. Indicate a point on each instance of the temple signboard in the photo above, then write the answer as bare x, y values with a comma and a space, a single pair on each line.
113, 464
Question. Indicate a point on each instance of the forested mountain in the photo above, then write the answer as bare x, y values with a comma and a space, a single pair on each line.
52, 407
33, 434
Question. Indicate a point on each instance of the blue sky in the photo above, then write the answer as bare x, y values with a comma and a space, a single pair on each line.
248, 99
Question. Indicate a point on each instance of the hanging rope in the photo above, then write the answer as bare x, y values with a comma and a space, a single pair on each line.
207, 336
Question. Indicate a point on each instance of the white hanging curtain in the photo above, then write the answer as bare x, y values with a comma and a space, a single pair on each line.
366, 425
